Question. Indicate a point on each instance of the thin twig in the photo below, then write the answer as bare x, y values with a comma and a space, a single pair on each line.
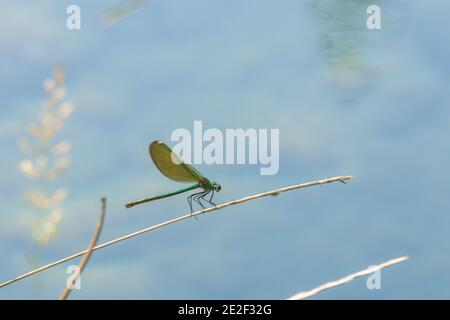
344, 280
187, 216
88, 253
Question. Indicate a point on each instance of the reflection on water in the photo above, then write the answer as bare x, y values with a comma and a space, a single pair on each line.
341, 25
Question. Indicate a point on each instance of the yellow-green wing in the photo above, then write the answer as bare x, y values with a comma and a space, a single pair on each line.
170, 165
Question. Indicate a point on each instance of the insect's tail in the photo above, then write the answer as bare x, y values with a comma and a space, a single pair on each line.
134, 203
162, 196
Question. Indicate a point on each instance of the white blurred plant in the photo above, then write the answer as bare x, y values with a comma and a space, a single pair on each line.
47, 159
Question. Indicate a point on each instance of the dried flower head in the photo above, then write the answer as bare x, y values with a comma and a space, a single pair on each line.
49, 158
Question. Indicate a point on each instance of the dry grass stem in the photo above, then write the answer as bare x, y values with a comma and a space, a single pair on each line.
344, 280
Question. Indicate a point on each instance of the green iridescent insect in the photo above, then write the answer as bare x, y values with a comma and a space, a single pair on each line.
170, 165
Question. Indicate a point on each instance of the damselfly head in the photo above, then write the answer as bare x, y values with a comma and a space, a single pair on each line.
216, 186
